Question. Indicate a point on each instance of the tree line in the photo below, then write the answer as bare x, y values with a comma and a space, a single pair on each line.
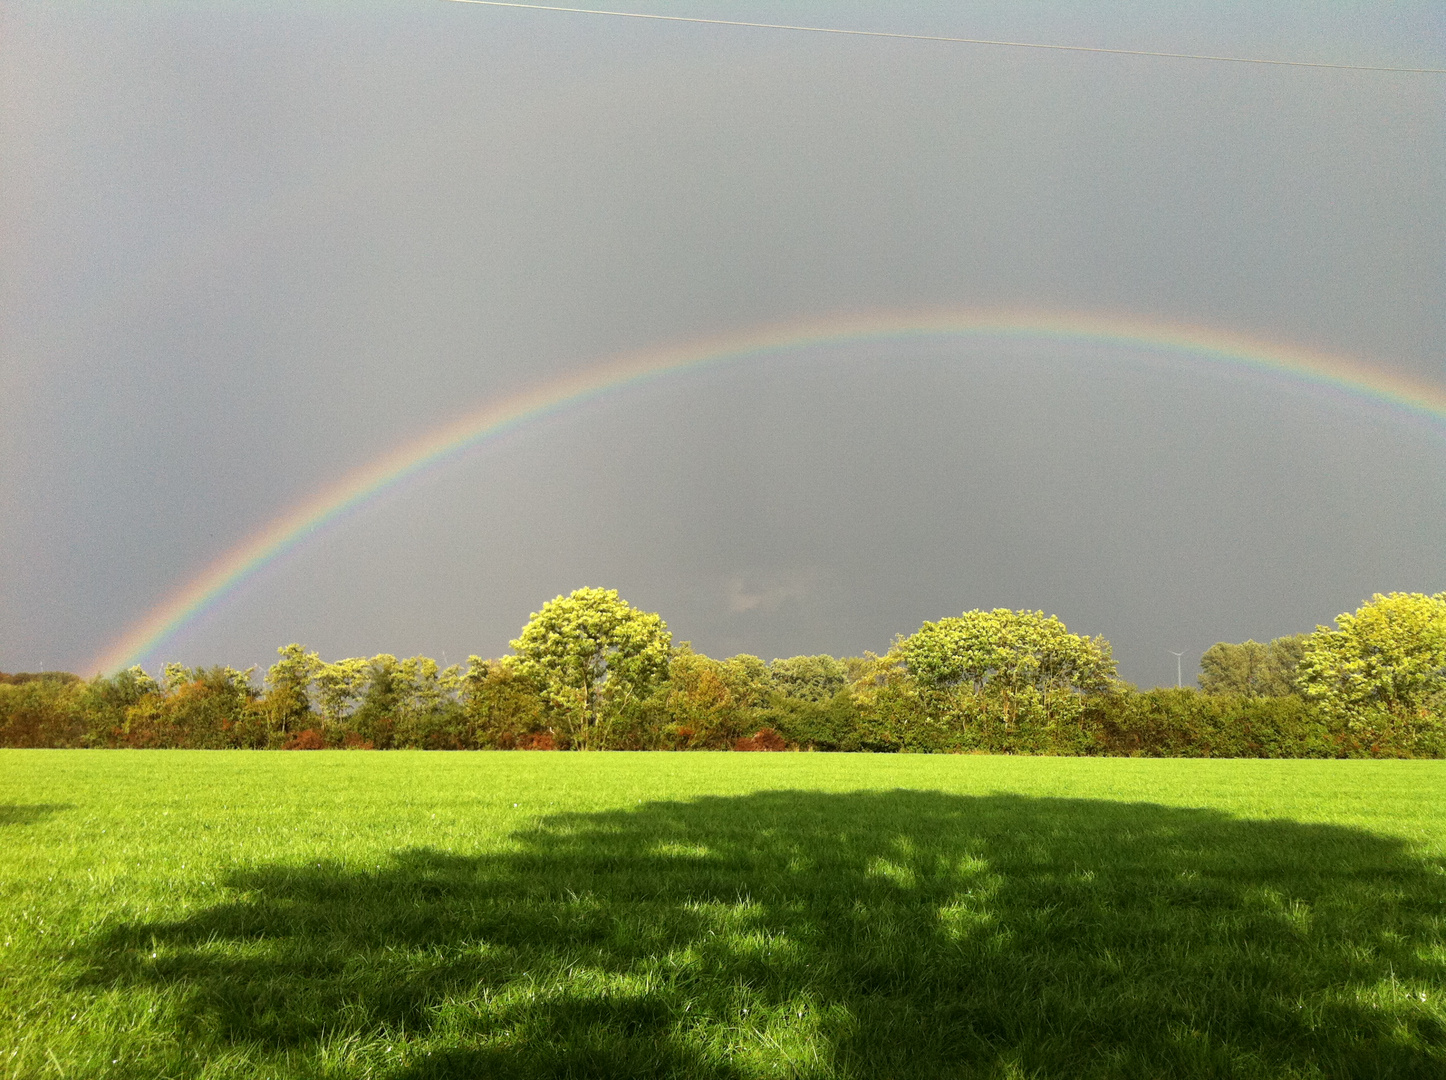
589, 671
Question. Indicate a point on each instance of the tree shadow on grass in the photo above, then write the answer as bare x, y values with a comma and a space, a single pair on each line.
29, 813
796, 933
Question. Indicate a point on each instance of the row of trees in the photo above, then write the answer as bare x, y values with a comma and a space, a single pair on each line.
589, 671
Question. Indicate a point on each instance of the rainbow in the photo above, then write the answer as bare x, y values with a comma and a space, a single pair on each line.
407, 461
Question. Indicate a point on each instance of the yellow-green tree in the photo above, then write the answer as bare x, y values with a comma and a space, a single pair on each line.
287, 702
1387, 659
339, 687
808, 678
1012, 656
205, 708
592, 653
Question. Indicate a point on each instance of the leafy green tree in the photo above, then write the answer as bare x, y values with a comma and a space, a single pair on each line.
1388, 658
104, 700
20, 678
201, 709
593, 653
888, 706
375, 719
1009, 650
287, 703
108, 696
502, 706
968, 650
748, 679
174, 676
709, 704
428, 713
1021, 659
42, 710
808, 678
1252, 669
339, 687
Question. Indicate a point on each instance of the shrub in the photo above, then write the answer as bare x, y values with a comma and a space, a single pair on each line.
765, 739
706, 698
808, 678
204, 709
499, 704
1182, 722
813, 725
42, 710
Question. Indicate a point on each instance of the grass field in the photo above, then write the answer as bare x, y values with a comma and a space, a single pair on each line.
417, 915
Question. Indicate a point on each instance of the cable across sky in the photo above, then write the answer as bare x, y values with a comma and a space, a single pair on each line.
956, 40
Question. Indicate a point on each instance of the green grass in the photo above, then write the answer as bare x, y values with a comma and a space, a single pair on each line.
419, 915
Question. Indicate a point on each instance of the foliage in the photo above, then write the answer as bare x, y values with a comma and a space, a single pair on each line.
1171, 722
207, 709
36, 712
1382, 671
1252, 669
997, 682
701, 709
429, 716
1019, 675
763, 739
20, 678
375, 718
106, 700
808, 678
1007, 651
338, 688
593, 654
502, 707
287, 701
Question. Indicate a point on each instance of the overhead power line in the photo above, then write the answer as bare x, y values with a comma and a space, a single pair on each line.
955, 40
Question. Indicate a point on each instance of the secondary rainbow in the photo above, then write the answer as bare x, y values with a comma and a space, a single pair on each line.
156, 629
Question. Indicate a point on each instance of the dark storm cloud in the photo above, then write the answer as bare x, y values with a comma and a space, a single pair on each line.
248, 250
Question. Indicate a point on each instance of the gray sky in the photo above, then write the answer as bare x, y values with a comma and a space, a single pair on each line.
249, 248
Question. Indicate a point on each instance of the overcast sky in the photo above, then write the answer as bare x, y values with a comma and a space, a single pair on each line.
246, 249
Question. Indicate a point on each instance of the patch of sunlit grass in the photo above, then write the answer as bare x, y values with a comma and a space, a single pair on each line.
416, 915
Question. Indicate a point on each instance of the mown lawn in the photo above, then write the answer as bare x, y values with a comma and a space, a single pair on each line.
418, 915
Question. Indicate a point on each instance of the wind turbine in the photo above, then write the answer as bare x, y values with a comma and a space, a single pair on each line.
1177, 656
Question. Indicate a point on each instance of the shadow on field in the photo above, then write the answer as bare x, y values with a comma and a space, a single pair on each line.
870, 934
29, 813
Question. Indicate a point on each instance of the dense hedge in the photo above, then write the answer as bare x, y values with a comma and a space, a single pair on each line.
706, 704
591, 672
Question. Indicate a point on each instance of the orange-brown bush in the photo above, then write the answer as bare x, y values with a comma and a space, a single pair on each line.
765, 739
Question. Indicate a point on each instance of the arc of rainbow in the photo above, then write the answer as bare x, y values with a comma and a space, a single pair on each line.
410, 459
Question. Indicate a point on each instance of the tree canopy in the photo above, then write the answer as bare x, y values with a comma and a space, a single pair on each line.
1388, 656
1006, 650
808, 678
1252, 669
592, 652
